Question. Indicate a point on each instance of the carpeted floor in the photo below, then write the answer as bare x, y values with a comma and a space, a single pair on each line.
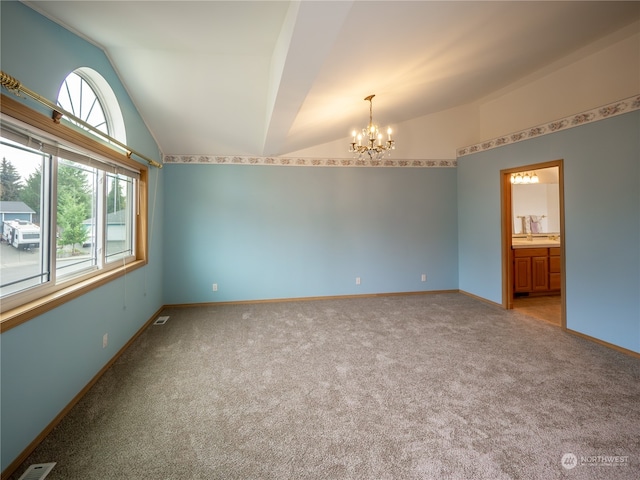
437, 386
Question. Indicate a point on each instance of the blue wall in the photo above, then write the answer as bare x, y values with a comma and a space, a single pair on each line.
280, 232
602, 223
45, 362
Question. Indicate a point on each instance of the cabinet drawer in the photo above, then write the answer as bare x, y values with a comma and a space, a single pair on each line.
530, 252
554, 251
554, 281
554, 264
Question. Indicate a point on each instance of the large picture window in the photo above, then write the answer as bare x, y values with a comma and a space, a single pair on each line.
72, 213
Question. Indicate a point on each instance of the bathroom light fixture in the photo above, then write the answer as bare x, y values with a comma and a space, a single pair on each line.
526, 178
370, 142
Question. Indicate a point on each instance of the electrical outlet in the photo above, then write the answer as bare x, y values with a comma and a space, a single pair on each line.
357, 280
424, 277
105, 340
215, 287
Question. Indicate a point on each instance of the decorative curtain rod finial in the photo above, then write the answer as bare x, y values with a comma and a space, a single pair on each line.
9, 82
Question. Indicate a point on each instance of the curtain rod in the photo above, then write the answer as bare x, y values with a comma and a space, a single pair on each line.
16, 87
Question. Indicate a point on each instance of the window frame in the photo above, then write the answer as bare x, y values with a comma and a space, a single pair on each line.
78, 286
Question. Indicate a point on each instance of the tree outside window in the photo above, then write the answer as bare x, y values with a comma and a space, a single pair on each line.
10, 181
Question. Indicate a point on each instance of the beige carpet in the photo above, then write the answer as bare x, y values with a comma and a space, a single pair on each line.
435, 386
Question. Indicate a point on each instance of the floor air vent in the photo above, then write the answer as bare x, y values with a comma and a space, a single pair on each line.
161, 320
38, 471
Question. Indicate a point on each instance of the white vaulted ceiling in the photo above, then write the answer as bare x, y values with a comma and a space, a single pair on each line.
268, 78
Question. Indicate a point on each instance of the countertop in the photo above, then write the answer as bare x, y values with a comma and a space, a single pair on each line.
535, 242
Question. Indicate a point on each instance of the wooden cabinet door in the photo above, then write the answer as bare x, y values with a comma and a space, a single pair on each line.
554, 272
540, 274
522, 274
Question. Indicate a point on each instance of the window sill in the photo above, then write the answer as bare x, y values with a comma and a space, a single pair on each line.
16, 316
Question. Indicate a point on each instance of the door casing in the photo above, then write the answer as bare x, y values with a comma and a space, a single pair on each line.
507, 232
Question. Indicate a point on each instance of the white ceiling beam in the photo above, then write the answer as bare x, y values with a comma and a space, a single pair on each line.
307, 37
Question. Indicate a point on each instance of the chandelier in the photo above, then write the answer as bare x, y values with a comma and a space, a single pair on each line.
519, 178
369, 141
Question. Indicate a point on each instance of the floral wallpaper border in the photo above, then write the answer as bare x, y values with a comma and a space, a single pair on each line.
306, 162
617, 108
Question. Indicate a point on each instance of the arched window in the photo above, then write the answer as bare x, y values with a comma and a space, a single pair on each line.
87, 95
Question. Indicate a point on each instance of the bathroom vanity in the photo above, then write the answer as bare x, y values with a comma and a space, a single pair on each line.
536, 265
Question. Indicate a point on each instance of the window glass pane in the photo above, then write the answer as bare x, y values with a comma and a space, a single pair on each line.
76, 227
95, 116
23, 255
77, 96
120, 218
69, 95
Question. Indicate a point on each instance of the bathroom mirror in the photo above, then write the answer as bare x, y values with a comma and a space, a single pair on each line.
536, 204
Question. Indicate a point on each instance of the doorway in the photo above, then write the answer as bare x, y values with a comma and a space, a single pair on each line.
533, 246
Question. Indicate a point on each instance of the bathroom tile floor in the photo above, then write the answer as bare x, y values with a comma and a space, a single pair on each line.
547, 308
